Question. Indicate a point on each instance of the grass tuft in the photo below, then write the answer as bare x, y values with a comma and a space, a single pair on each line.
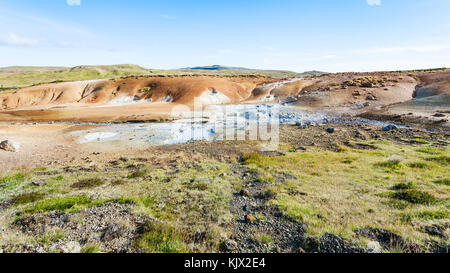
160, 237
91, 248
58, 203
391, 165
444, 181
418, 165
26, 198
137, 174
405, 186
88, 183
263, 238
12, 180
249, 158
415, 197
432, 215
443, 160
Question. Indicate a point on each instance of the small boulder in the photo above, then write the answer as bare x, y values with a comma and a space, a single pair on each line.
374, 247
371, 97
331, 130
389, 128
39, 183
439, 115
10, 146
229, 246
245, 193
301, 148
71, 247
249, 218
360, 134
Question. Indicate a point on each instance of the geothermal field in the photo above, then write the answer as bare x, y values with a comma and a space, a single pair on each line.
201, 161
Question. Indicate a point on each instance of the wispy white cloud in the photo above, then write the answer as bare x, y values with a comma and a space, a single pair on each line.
167, 16
329, 57
73, 2
374, 2
12, 39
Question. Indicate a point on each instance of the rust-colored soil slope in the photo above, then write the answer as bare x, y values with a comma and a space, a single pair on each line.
181, 90
124, 99
431, 102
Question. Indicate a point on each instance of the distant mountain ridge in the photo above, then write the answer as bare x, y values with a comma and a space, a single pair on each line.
215, 67
220, 67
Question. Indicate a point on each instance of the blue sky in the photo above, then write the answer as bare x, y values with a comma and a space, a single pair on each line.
327, 35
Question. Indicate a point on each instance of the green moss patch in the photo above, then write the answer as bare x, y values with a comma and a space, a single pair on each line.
88, 183
137, 174
26, 198
158, 237
391, 165
58, 203
444, 181
405, 186
415, 197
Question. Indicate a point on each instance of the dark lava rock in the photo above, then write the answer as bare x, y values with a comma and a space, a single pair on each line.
371, 97
301, 148
331, 130
439, 115
330, 243
111, 232
245, 193
435, 230
389, 128
228, 246
387, 239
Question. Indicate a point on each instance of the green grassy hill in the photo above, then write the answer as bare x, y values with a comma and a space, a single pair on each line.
26, 76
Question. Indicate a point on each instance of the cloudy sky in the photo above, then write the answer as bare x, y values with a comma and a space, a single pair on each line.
327, 35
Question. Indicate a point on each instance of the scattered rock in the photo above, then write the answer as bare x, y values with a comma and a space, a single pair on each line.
435, 230
301, 148
39, 183
360, 134
439, 115
71, 247
389, 128
228, 246
330, 243
10, 146
301, 125
374, 247
387, 239
331, 130
249, 218
245, 193
111, 232
371, 97
367, 84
